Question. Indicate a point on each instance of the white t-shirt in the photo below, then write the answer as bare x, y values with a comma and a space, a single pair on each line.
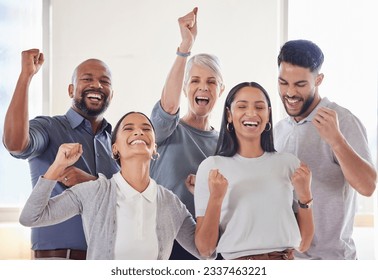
257, 214
136, 237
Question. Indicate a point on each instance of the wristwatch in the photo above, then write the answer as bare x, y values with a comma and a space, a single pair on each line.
306, 205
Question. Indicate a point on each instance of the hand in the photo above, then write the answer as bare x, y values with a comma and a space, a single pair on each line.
301, 180
67, 155
72, 176
217, 184
190, 182
327, 124
188, 30
32, 61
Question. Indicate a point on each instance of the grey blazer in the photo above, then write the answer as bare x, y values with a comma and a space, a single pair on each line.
95, 201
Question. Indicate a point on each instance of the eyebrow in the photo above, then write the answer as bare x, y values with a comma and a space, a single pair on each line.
143, 124
297, 82
245, 101
198, 77
90, 74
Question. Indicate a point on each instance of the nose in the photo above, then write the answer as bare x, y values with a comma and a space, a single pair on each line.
138, 131
251, 112
203, 87
96, 84
290, 92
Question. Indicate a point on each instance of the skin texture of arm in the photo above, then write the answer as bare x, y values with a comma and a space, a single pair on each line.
170, 98
357, 171
16, 124
301, 180
207, 230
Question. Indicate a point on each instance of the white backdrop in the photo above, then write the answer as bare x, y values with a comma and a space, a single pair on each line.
138, 39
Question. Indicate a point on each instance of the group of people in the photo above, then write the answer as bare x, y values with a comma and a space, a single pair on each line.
172, 187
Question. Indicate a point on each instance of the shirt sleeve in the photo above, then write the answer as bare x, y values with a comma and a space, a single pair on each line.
164, 123
41, 210
355, 134
38, 138
186, 234
201, 190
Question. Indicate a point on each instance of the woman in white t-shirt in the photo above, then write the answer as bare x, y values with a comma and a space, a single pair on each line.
252, 202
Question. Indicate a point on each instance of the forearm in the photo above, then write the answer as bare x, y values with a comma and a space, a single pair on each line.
306, 228
207, 231
16, 123
171, 96
54, 171
359, 173
33, 211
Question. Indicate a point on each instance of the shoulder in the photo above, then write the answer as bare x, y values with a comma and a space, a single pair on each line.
101, 184
341, 111
159, 113
286, 158
168, 200
282, 123
48, 123
211, 161
165, 193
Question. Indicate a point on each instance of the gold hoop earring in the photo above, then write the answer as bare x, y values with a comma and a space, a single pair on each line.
270, 126
155, 156
116, 156
229, 127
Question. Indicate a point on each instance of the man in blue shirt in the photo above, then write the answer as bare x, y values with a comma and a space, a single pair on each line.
38, 140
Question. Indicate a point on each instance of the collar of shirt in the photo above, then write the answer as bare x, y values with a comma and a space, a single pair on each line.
75, 119
129, 192
324, 102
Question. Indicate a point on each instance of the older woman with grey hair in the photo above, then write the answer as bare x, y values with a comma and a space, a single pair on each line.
184, 142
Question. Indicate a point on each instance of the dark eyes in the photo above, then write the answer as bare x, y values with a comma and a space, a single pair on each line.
103, 82
209, 82
129, 128
257, 107
282, 83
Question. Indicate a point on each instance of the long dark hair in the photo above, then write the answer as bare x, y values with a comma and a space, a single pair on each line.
227, 143
116, 128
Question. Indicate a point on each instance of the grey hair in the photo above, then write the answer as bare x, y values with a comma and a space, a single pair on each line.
205, 60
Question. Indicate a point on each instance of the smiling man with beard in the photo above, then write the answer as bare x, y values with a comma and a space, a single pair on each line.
332, 141
39, 139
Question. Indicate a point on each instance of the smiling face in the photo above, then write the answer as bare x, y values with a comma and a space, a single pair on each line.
298, 88
203, 90
249, 113
134, 137
91, 88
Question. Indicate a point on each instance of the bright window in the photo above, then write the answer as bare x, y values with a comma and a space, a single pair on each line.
20, 29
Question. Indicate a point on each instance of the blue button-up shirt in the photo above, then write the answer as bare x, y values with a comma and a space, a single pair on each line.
46, 135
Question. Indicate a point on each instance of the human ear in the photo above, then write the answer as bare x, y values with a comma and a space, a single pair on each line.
319, 79
229, 115
71, 90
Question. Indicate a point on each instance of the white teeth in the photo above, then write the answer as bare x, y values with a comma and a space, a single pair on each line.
138, 142
203, 98
248, 123
94, 95
292, 101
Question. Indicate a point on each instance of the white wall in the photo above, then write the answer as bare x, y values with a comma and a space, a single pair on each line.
138, 39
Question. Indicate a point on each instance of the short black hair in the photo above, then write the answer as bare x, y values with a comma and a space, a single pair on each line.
302, 53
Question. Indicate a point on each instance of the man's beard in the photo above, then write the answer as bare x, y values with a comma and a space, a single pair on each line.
304, 108
80, 104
